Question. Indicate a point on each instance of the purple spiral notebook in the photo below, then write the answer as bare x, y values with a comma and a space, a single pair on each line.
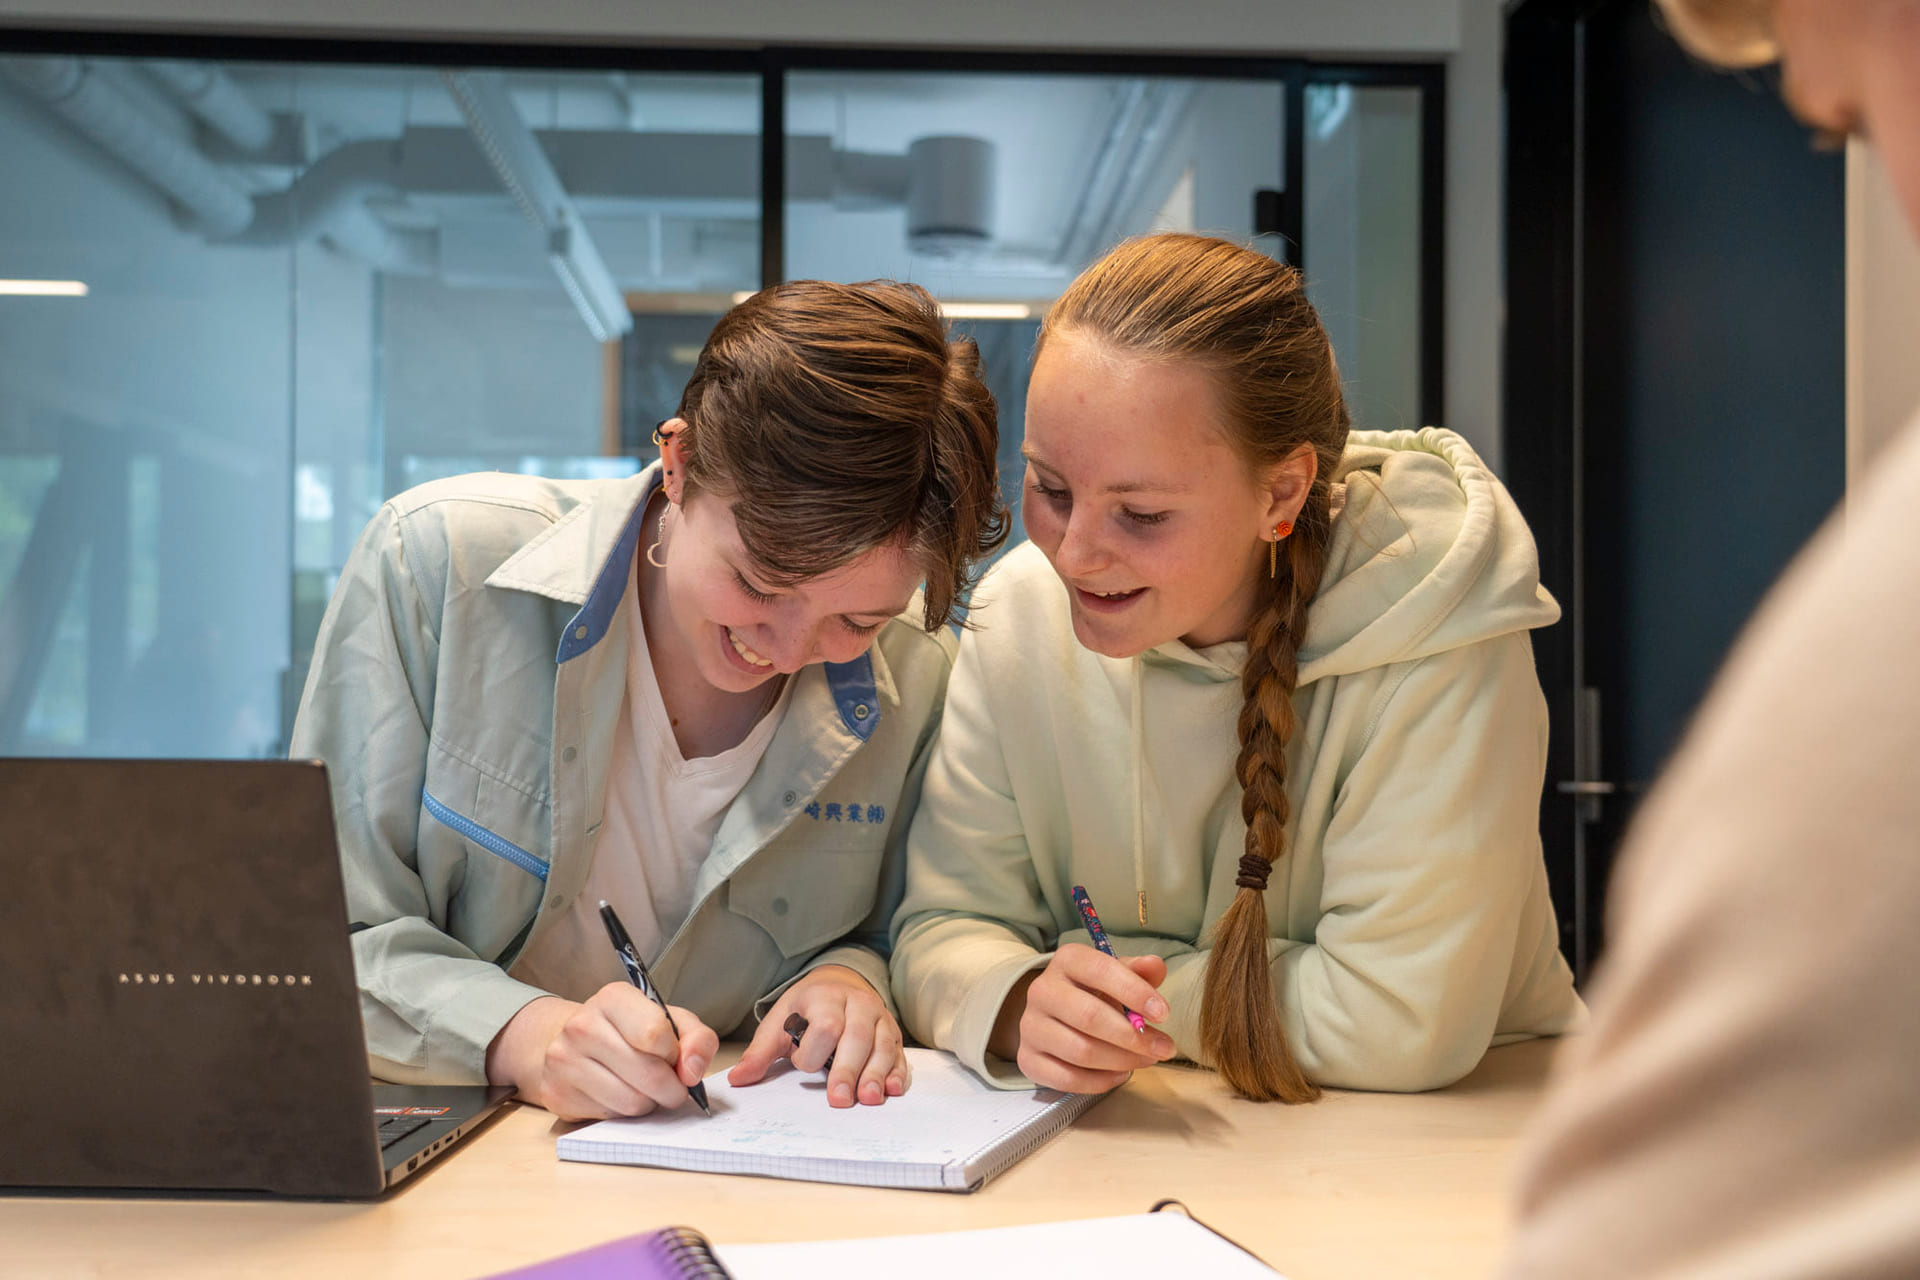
671, 1253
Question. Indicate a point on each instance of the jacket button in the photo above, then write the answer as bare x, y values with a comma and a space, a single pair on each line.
554, 901
789, 798
566, 757
779, 906
861, 712
579, 633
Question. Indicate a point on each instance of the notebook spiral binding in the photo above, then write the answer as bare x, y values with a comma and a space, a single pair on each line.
689, 1254
1010, 1149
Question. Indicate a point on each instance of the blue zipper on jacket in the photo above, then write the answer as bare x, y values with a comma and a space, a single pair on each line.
492, 843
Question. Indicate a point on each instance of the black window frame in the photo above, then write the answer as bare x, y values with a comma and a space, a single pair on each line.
772, 63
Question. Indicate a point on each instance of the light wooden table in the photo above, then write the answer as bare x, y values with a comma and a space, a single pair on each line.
1356, 1186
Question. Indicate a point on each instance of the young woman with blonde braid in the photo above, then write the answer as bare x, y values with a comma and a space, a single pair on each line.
1263, 686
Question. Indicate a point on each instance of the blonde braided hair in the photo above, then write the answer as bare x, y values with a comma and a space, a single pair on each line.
1247, 319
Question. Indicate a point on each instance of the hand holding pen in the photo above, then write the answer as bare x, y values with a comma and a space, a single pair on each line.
1098, 932
1078, 1030
618, 1053
637, 974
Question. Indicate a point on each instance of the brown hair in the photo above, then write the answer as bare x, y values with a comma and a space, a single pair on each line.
835, 418
1247, 319
1734, 33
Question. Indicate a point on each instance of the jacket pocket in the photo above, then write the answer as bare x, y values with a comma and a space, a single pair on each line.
503, 821
808, 899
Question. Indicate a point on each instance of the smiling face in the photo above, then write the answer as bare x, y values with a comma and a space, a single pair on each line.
733, 628
1854, 66
1153, 521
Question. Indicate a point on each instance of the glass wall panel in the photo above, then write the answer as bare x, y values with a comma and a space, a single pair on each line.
1363, 246
993, 191
292, 290
241, 304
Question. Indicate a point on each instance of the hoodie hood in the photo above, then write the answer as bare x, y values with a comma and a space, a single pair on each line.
1429, 553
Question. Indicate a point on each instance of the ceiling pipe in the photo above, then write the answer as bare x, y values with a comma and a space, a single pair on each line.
360, 233
210, 93
329, 201
108, 116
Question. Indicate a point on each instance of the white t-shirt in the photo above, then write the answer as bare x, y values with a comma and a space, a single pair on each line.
658, 828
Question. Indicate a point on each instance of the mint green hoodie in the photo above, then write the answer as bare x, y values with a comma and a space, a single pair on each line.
1410, 921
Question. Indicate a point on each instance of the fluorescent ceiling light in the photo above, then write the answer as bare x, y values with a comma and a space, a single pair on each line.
523, 168
44, 288
986, 310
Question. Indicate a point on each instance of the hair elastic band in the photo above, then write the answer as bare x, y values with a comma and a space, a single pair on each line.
1254, 871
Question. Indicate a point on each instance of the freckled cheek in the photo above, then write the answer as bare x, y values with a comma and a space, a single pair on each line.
846, 646
727, 609
1043, 523
1169, 568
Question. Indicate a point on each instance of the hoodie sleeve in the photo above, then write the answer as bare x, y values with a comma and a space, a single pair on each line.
1432, 903
973, 919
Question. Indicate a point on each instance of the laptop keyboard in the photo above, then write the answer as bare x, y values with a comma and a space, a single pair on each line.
394, 1128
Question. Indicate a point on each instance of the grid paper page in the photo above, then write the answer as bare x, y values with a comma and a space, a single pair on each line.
1147, 1244
944, 1133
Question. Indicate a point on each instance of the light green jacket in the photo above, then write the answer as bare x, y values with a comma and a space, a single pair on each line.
1410, 922
465, 687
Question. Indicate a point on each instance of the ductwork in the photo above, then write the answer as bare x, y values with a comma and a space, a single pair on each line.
944, 183
949, 195
360, 233
330, 200
212, 95
218, 203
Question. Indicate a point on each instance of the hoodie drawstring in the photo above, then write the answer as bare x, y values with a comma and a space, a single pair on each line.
1139, 736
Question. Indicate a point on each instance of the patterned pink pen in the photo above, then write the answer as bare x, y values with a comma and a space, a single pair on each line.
1092, 921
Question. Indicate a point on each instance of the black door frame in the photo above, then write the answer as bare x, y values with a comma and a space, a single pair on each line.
1544, 339
1571, 413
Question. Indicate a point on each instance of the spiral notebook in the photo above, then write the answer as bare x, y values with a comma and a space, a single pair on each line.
949, 1132
671, 1253
1144, 1244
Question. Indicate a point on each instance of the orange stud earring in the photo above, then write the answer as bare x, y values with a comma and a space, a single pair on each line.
1282, 530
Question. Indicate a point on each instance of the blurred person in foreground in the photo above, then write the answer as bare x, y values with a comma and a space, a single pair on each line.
1747, 1103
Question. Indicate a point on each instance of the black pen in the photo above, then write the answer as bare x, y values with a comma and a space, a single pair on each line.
796, 1026
637, 974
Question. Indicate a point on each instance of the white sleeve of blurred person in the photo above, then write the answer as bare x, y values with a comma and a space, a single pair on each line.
1747, 1102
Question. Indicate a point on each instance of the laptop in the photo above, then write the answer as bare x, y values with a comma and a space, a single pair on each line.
177, 1000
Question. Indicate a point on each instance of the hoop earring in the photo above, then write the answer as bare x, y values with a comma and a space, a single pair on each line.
660, 536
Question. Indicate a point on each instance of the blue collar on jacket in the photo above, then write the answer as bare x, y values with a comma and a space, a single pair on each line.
852, 682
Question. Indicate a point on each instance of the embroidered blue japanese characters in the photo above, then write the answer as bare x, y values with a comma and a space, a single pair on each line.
835, 811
